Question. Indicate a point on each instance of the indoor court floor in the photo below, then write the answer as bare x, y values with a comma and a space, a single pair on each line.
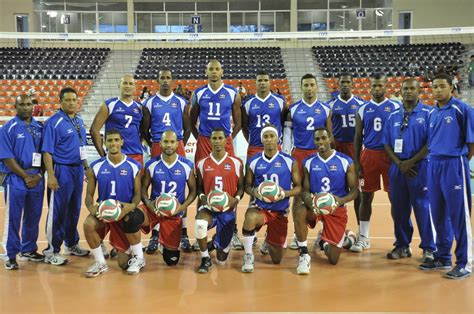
365, 282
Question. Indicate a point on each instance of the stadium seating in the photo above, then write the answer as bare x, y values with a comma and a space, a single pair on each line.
392, 60
188, 64
43, 72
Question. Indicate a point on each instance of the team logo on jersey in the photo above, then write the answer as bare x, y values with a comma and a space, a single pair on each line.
387, 109
227, 167
396, 124
120, 109
209, 168
338, 108
301, 111
174, 105
136, 110
458, 187
255, 106
278, 164
316, 168
206, 97
157, 106
317, 111
123, 172
370, 110
69, 131
353, 106
332, 168
221, 96
159, 171
271, 105
420, 120
105, 171
448, 119
21, 135
177, 172
262, 167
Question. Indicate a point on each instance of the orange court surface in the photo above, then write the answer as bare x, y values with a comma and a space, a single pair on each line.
365, 282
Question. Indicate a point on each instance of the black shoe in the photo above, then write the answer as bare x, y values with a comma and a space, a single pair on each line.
31, 256
399, 252
210, 244
152, 245
435, 264
185, 245
206, 263
457, 272
113, 253
254, 243
11, 264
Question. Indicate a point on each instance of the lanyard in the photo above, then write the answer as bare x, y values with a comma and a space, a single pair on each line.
77, 126
32, 131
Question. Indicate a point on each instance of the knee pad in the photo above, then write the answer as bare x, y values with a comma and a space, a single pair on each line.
171, 257
133, 220
200, 228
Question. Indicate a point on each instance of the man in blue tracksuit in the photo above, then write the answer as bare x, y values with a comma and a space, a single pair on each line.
20, 141
64, 154
450, 145
405, 137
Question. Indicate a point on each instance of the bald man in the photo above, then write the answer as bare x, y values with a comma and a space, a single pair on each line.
123, 114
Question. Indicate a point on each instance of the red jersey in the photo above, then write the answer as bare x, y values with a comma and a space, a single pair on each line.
222, 175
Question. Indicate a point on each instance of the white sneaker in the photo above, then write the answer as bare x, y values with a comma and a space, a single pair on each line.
247, 266
236, 243
55, 259
96, 269
105, 252
135, 264
304, 264
75, 250
294, 243
264, 248
362, 243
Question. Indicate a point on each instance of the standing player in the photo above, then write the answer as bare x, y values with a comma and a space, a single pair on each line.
123, 114
117, 177
373, 162
168, 173
451, 146
405, 137
303, 118
343, 110
223, 172
20, 142
216, 105
259, 110
166, 111
65, 159
332, 172
283, 170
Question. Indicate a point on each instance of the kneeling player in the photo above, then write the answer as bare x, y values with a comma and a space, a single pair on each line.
168, 173
219, 171
282, 169
332, 172
116, 177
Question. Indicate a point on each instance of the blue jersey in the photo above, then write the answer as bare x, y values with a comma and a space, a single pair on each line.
328, 175
116, 181
450, 129
63, 138
127, 119
19, 141
412, 129
373, 116
263, 111
215, 108
344, 117
166, 114
170, 179
305, 119
278, 170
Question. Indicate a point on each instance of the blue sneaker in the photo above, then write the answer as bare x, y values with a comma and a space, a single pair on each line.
457, 272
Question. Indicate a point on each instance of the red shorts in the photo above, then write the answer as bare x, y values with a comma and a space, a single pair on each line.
345, 148
334, 226
277, 228
170, 228
252, 150
156, 149
137, 157
300, 154
117, 237
374, 163
204, 148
